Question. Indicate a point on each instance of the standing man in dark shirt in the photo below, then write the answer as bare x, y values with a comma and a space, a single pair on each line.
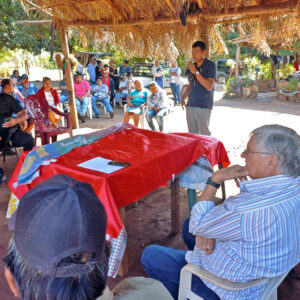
200, 91
9, 126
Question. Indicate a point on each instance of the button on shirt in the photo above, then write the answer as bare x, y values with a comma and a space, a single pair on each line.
256, 232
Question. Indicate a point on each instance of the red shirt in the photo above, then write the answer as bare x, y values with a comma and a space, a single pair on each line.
107, 82
53, 91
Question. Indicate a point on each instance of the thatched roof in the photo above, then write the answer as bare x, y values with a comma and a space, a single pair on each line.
146, 27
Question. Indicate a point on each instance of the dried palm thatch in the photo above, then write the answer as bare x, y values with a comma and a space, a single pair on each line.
153, 27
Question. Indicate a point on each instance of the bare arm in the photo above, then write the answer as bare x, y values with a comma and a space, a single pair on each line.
21, 116
184, 96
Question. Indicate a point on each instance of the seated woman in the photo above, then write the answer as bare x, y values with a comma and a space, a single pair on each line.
157, 103
136, 102
50, 94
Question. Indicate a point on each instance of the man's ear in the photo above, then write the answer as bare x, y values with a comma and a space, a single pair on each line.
11, 282
273, 164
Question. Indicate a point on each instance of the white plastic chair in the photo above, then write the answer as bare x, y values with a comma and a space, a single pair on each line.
185, 291
90, 109
142, 116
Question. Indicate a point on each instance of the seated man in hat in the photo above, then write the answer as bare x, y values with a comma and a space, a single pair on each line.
58, 250
11, 116
252, 235
27, 88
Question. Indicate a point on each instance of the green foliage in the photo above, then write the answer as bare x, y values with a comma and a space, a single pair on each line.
266, 69
182, 62
292, 85
229, 83
286, 70
31, 38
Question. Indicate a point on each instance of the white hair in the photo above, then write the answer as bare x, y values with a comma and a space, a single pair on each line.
282, 142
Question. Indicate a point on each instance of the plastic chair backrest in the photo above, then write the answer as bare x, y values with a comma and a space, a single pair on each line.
185, 291
38, 109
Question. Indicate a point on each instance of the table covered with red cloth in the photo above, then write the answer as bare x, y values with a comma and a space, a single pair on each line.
154, 157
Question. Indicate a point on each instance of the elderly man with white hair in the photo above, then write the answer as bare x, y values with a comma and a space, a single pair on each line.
252, 235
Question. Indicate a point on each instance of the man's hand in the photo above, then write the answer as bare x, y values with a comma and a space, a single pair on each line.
9, 124
182, 101
156, 109
191, 66
206, 244
236, 172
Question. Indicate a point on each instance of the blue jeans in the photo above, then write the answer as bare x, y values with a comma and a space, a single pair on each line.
105, 102
119, 97
164, 264
82, 105
63, 99
160, 81
159, 118
176, 92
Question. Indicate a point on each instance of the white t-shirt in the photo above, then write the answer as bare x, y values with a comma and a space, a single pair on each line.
49, 98
123, 84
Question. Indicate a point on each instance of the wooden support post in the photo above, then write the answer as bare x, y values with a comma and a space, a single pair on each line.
205, 35
69, 78
237, 60
175, 216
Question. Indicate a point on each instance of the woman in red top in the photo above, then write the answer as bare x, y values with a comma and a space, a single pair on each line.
50, 94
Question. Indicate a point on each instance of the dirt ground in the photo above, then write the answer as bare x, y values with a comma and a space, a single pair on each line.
149, 222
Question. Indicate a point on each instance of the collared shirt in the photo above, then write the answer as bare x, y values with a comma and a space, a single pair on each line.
124, 70
81, 88
91, 69
159, 99
100, 91
32, 89
199, 96
157, 71
256, 232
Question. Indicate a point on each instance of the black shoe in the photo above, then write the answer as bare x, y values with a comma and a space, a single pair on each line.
82, 118
97, 116
9, 152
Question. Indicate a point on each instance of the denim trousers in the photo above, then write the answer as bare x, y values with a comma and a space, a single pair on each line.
105, 102
82, 105
159, 118
164, 264
175, 88
63, 99
119, 97
160, 81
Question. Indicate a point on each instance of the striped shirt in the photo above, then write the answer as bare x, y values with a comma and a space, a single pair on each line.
256, 232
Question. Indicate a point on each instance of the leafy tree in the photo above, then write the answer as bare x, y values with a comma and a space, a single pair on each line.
27, 37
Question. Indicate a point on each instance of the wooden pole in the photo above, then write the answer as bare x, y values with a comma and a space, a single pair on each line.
205, 35
69, 78
237, 60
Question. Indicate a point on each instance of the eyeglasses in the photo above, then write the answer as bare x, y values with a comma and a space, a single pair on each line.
246, 151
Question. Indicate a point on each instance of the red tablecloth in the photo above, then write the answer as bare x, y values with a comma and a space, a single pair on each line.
154, 158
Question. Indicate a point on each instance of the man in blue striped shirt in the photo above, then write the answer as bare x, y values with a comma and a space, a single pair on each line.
252, 235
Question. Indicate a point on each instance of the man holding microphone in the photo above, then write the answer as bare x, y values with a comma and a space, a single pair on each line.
200, 90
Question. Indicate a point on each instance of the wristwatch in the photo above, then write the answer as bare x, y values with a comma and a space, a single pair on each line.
197, 73
212, 183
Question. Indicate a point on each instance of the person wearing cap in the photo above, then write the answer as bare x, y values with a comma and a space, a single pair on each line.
110, 84
123, 90
82, 96
27, 88
124, 69
136, 102
157, 103
10, 130
158, 73
91, 69
17, 75
59, 252
100, 94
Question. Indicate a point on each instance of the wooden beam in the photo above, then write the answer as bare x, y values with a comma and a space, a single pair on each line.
205, 36
39, 8
253, 10
237, 62
171, 6
200, 3
39, 22
69, 78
